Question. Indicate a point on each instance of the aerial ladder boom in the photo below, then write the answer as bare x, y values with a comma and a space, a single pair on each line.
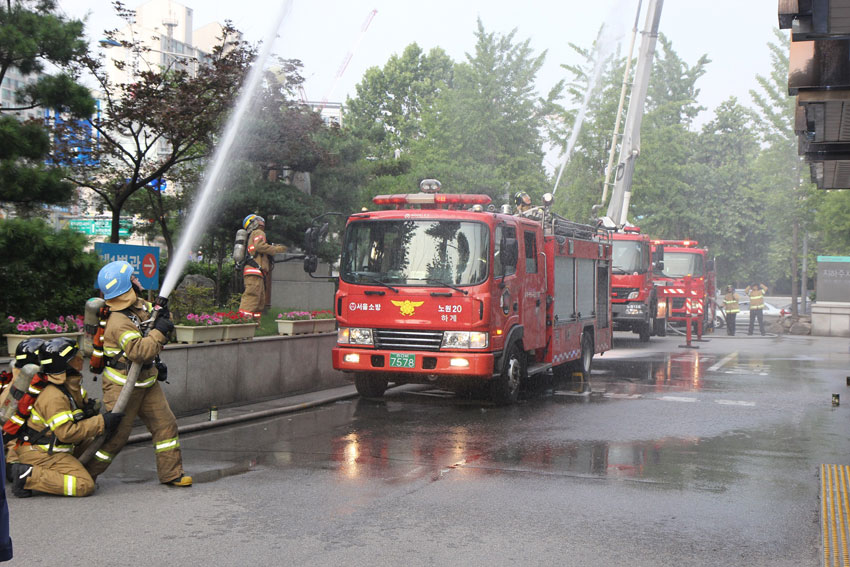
618, 207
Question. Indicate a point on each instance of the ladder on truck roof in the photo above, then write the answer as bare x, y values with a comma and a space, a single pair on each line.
556, 225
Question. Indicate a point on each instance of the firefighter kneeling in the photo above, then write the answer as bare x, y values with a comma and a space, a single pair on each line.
125, 343
61, 419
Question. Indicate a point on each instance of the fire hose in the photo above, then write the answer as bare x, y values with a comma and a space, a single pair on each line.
127, 388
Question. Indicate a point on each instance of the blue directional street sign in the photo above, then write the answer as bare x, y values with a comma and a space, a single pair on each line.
144, 259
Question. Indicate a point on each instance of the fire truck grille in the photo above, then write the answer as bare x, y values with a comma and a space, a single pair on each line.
408, 340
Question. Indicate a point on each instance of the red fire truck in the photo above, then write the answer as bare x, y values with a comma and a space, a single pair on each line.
440, 290
682, 258
633, 296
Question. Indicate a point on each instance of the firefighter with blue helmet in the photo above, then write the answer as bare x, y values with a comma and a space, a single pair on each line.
259, 262
61, 420
125, 343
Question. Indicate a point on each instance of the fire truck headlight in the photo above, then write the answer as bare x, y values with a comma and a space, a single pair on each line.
459, 363
351, 358
354, 336
465, 339
360, 336
633, 295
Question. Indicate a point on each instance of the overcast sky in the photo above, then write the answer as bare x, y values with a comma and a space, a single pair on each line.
321, 33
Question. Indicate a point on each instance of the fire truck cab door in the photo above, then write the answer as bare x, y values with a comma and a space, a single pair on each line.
533, 297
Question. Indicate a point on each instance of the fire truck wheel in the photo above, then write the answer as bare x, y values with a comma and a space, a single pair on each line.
583, 365
644, 332
370, 385
660, 327
505, 388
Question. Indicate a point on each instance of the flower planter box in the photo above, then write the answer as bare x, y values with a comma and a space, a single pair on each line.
193, 335
324, 325
295, 327
239, 331
13, 340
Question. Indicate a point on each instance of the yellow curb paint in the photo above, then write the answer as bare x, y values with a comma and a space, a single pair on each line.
835, 514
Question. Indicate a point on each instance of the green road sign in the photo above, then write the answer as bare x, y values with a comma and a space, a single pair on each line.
99, 227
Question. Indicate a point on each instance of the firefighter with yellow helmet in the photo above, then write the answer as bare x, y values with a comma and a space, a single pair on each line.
61, 419
125, 343
258, 263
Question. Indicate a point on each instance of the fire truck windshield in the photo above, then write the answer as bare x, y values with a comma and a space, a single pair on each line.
629, 256
416, 252
680, 264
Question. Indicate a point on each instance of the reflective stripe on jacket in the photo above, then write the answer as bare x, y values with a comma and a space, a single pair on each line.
756, 296
730, 302
52, 409
124, 343
261, 251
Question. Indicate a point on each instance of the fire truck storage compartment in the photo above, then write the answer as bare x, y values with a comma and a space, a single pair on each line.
585, 287
603, 298
564, 308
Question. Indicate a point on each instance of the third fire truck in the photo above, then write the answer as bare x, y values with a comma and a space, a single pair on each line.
686, 283
439, 290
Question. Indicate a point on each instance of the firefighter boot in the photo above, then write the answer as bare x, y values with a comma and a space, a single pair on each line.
182, 480
20, 473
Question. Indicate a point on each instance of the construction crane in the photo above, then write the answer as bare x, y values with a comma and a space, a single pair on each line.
344, 65
618, 207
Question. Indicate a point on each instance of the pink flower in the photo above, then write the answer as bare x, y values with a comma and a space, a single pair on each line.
11, 319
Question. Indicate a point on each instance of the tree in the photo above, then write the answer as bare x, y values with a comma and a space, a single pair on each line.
390, 101
59, 286
484, 135
165, 118
788, 198
33, 36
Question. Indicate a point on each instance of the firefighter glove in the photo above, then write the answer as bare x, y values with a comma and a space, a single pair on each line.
164, 326
161, 369
91, 408
164, 313
111, 421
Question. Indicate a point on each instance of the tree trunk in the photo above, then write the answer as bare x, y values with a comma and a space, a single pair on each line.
114, 235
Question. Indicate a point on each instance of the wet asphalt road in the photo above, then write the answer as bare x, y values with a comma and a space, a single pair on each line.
677, 457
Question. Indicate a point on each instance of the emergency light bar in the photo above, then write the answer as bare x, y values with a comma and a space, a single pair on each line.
682, 243
631, 229
431, 199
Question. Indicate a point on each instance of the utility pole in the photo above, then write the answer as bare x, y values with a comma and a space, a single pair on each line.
618, 208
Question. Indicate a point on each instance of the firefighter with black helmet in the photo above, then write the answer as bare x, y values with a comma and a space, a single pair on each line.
25, 353
522, 202
61, 419
125, 343
257, 266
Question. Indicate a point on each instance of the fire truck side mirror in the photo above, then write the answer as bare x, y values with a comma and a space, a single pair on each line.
710, 265
658, 266
311, 264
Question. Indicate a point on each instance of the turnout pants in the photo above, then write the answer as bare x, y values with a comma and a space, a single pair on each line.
59, 473
149, 405
756, 314
730, 323
254, 297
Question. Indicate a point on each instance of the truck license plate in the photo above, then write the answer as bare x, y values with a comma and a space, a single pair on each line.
402, 360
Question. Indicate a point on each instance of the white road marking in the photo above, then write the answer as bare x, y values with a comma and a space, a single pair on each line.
677, 399
723, 362
734, 403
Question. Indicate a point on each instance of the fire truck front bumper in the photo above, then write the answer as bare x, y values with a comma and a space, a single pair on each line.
472, 364
631, 312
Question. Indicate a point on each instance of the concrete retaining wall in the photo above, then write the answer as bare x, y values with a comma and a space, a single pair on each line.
292, 287
831, 319
224, 373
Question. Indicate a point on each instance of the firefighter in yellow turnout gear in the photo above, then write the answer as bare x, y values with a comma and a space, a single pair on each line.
259, 259
61, 419
124, 344
731, 308
756, 293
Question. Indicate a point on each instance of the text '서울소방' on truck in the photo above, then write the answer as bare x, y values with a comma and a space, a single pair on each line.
442, 289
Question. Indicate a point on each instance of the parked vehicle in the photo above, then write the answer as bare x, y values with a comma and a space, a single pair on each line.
449, 293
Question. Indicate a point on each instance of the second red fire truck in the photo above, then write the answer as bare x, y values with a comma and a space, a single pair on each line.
440, 290
633, 295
